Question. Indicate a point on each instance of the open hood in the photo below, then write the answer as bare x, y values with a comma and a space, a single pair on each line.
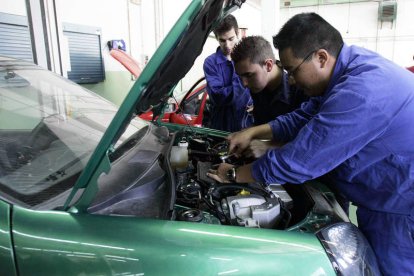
169, 64
176, 55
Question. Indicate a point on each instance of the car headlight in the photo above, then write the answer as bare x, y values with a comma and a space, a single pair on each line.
348, 250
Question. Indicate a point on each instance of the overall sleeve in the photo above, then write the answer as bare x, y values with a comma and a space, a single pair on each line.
345, 123
219, 89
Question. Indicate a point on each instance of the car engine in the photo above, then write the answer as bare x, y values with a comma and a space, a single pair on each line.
161, 174
202, 199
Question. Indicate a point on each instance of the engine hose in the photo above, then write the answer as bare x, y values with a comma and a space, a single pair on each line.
221, 216
289, 215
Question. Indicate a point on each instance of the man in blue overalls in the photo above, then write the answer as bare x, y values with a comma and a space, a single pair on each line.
358, 127
258, 69
229, 100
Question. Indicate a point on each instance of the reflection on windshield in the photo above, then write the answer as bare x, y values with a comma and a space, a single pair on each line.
49, 127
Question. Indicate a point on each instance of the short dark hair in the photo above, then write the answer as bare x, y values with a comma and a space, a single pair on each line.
228, 23
305, 32
256, 48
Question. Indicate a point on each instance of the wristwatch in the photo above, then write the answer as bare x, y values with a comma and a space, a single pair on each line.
231, 174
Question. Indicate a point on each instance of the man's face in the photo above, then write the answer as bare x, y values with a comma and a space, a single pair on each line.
307, 73
253, 76
227, 41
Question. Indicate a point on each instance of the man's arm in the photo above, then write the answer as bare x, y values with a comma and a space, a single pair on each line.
282, 130
219, 89
286, 127
345, 124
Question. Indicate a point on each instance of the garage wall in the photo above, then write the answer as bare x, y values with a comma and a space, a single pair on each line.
113, 18
117, 19
142, 24
359, 25
16, 7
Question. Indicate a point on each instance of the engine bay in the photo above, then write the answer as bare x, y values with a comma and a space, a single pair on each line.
162, 174
202, 199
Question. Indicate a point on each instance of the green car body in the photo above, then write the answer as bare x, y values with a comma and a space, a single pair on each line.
60, 243
84, 228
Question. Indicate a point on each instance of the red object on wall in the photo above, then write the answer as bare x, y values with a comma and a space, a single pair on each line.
127, 61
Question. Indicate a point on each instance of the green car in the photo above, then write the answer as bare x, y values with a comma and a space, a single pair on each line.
87, 188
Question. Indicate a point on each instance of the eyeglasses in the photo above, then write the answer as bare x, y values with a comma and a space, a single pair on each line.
291, 73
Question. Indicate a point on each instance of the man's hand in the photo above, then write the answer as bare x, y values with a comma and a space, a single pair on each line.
244, 174
220, 174
239, 141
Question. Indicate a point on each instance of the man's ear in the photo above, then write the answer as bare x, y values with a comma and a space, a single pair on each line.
323, 57
269, 63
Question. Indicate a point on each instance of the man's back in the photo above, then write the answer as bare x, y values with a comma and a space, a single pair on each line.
383, 131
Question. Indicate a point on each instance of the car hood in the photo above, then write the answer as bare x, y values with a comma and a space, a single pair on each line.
176, 55
169, 64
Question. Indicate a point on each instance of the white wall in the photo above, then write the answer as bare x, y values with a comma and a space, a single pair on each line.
359, 25
142, 24
403, 48
17, 7
111, 16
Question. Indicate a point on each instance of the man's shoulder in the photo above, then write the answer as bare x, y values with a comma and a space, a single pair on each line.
211, 58
372, 64
216, 57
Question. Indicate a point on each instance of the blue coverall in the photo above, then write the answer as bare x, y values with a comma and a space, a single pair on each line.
228, 98
268, 104
361, 131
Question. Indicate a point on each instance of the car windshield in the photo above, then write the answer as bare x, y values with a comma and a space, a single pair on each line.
49, 127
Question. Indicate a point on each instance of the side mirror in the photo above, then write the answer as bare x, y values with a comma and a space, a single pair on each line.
170, 107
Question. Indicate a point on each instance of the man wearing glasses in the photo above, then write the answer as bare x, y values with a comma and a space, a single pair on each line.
259, 71
358, 126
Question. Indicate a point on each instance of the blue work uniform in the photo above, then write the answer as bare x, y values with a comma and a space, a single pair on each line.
268, 104
361, 131
228, 98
